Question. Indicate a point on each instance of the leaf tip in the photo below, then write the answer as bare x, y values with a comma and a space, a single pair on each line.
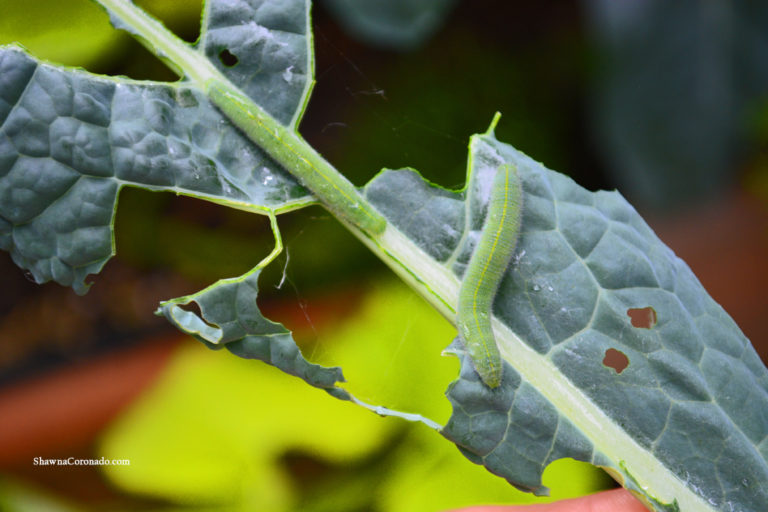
79, 285
492, 128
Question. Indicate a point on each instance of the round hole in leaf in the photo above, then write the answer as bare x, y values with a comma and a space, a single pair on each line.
616, 359
228, 58
642, 318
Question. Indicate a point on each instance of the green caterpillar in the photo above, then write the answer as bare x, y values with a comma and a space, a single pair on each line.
484, 272
293, 152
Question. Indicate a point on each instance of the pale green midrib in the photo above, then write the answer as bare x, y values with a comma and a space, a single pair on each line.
440, 288
299, 158
164, 43
282, 143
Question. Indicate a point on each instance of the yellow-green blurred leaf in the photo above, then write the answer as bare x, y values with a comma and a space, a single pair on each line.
215, 429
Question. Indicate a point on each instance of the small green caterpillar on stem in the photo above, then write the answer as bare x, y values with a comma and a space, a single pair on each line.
292, 152
486, 267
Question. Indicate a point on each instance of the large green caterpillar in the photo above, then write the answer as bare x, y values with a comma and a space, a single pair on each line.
486, 267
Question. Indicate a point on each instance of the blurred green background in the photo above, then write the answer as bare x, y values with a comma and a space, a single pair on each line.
667, 103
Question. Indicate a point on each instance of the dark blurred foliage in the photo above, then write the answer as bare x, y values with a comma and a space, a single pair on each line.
668, 103
678, 94
377, 108
371, 108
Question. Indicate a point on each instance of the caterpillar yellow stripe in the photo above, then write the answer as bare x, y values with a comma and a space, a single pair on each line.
486, 267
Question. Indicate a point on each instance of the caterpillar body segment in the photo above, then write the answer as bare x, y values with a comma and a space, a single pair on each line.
486, 267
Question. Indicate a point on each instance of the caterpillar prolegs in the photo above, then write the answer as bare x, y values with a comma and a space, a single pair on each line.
486, 267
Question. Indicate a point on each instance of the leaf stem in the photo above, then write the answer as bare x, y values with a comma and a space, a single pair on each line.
435, 282
163, 43
278, 242
297, 157
282, 143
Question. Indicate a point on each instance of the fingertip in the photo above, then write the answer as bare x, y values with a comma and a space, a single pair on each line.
615, 500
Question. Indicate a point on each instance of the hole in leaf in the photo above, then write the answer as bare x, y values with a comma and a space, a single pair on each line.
191, 319
643, 318
194, 308
616, 359
228, 58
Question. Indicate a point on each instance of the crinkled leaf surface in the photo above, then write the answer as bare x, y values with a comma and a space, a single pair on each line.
685, 424
251, 416
70, 140
694, 396
233, 320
